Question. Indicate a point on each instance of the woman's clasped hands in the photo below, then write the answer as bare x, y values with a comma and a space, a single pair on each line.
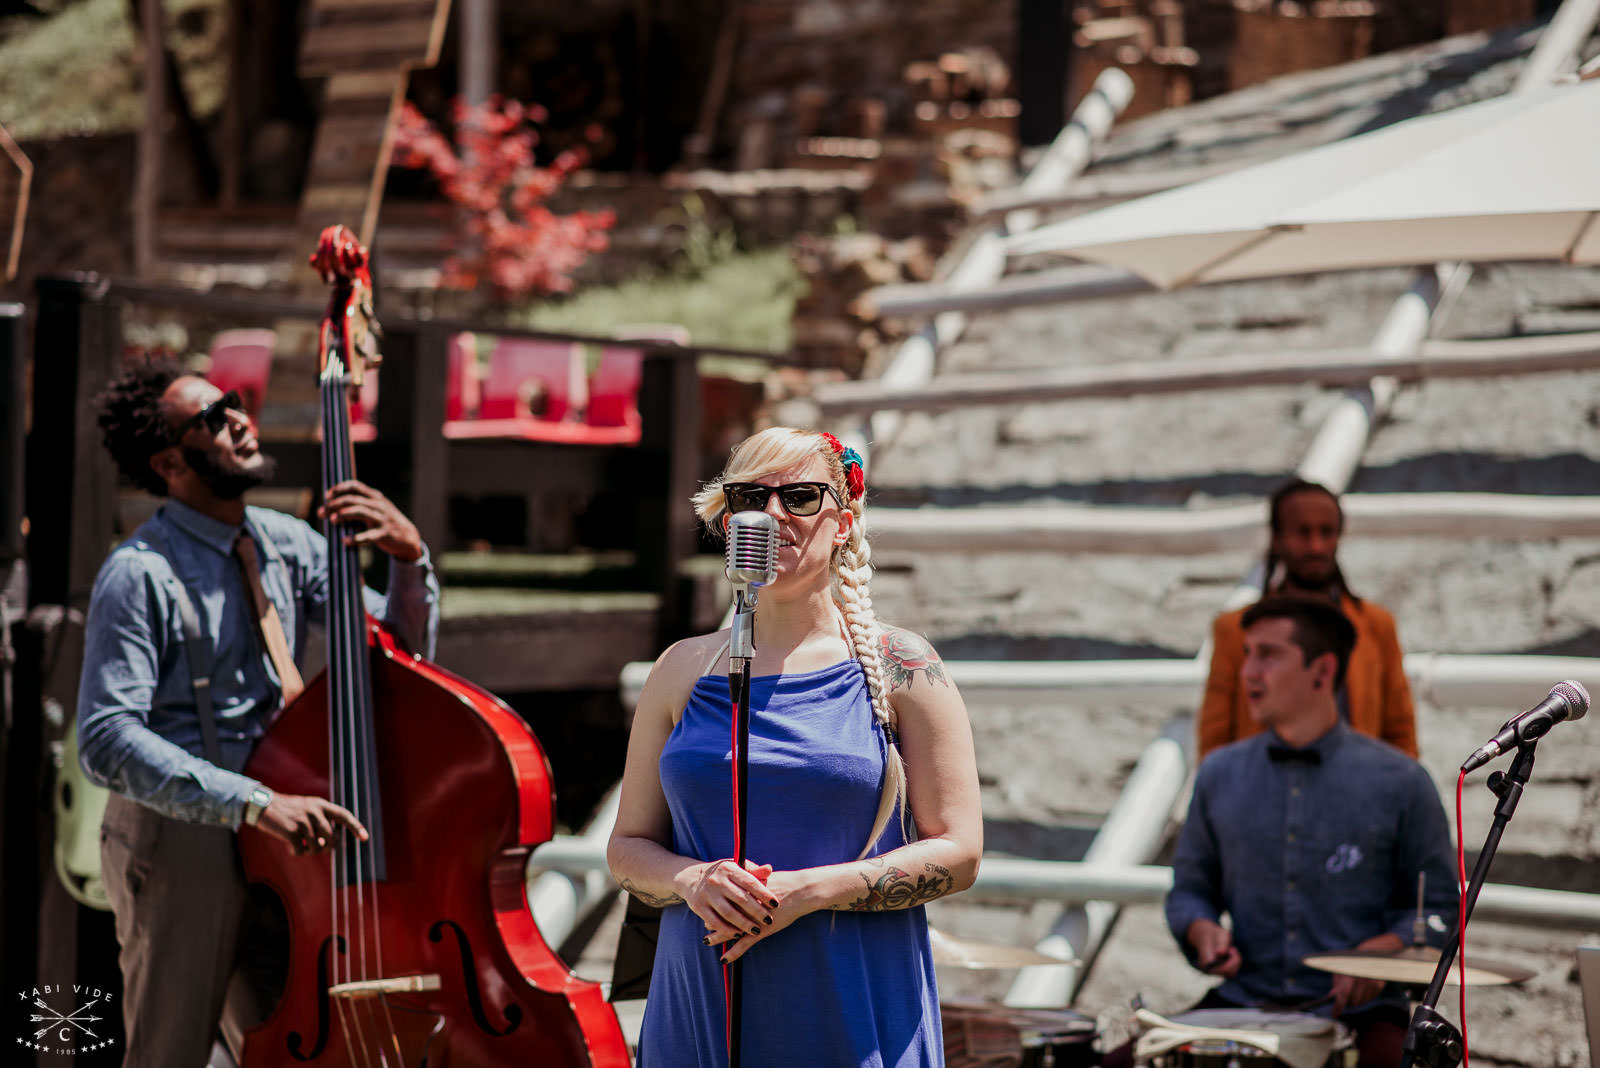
737, 907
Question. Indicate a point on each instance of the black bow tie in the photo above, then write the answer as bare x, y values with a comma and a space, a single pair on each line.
1281, 754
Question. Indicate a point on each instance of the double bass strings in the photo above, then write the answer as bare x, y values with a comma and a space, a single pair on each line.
356, 759
340, 944
351, 746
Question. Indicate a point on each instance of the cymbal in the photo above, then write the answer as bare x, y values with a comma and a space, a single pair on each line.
1415, 965
970, 953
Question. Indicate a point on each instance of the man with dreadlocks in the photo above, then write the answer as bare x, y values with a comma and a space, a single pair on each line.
184, 669
1306, 522
863, 798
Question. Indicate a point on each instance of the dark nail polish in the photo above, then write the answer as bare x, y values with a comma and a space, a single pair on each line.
707, 940
767, 920
755, 930
773, 903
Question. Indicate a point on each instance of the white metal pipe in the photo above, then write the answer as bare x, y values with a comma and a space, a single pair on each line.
1068, 528
1336, 451
1558, 47
1133, 830
1056, 285
1441, 680
559, 897
984, 261
1103, 188
1069, 153
1496, 358
1015, 879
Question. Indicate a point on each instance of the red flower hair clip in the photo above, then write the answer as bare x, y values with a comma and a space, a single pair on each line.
855, 476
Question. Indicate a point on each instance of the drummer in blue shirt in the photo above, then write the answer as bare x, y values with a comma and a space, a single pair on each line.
1309, 838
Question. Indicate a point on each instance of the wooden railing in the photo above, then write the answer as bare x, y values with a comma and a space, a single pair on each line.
72, 481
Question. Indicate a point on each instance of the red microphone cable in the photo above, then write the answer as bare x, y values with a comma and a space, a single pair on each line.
1461, 916
738, 853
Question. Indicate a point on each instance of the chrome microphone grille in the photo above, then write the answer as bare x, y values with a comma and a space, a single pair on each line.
1576, 696
752, 549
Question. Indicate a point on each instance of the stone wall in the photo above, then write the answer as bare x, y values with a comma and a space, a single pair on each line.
826, 67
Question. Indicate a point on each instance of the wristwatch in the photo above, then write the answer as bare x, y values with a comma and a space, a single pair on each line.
259, 799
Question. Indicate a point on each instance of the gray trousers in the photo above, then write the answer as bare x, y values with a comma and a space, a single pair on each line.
178, 893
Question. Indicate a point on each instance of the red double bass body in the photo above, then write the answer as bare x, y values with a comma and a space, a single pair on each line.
416, 947
465, 793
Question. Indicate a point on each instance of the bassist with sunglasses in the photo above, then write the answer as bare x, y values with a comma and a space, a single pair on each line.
194, 635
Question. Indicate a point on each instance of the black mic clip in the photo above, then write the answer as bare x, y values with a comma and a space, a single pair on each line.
1433, 1041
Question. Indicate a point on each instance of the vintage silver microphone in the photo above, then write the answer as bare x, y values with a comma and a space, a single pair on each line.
752, 563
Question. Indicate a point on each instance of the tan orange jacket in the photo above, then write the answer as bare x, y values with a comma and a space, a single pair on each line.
1375, 682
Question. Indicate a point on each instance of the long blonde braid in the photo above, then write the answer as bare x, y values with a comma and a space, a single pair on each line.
855, 601
775, 449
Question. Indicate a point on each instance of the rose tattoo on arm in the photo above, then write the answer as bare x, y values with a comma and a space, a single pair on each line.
899, 889
906, 655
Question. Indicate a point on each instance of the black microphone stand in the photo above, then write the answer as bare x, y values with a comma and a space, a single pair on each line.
741, 650
1433, 1041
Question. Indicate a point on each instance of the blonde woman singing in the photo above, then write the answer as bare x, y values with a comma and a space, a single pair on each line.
863, 798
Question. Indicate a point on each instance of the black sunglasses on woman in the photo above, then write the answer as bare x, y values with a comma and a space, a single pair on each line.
798, 498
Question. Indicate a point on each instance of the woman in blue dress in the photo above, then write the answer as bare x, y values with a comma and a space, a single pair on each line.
862, 799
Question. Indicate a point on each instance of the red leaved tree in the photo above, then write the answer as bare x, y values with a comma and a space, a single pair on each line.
513, 242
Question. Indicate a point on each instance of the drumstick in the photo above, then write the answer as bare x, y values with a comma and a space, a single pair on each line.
1178, 1033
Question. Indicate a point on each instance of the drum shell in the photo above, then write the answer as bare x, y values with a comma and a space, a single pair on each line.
1217, 1052
1065, 1050
1236, 1055
999, 1036
1230, 1057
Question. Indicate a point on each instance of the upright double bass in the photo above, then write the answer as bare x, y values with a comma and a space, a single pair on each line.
417, 946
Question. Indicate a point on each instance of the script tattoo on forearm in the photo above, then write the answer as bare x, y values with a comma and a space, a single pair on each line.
907, 655
653, 900
899, 889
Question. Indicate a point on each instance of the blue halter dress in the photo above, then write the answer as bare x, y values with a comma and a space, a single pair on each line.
833, 988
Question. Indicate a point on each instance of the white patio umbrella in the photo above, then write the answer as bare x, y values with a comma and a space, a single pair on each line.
1514, 178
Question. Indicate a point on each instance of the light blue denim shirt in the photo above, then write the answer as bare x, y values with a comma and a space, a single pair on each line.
1309, 858
138, 730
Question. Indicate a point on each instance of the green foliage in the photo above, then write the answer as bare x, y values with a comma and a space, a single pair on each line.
80, 71
704, 246
742, 299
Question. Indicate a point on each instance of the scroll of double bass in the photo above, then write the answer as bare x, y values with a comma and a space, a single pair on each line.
415, 947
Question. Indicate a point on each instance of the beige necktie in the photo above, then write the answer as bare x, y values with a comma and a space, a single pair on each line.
268, 625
